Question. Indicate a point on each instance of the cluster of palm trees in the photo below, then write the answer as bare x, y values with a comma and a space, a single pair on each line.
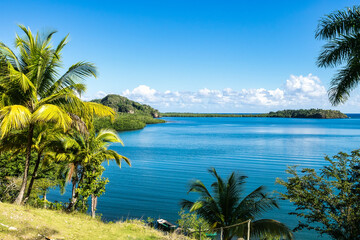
41, 113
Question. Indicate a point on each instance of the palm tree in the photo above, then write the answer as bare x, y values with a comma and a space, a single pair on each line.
86, 153
33, 91
44, 144
342, 31
226, 207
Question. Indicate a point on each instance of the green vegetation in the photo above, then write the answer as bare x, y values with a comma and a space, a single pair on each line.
131, 115
121, 104
48, 138
85, 155
307, 113
33, 94
32, 223
47, 135
341, 29
193, 225
301, 113
226, 207
125, 122
174, 114
327, 201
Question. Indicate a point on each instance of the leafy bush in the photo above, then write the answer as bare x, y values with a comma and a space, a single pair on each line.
191, 223
328, 201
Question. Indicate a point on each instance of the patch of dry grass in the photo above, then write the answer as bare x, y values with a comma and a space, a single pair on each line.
33, 223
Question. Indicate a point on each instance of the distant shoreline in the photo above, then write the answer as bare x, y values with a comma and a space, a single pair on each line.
300, 113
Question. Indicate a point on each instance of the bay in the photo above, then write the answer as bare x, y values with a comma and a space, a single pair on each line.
165, 157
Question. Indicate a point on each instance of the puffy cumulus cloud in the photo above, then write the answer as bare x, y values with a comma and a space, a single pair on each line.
309, 85
298, 91
142, 93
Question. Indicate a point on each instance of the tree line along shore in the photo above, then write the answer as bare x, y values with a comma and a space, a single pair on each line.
300, 113
131, 115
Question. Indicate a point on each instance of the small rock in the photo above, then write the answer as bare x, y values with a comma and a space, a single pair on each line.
12, 228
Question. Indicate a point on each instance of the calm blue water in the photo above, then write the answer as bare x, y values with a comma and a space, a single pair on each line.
165, 157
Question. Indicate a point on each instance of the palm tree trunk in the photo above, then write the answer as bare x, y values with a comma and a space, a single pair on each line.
20, 197
74, 193
33, 176
74, 180
44, 198
93, 205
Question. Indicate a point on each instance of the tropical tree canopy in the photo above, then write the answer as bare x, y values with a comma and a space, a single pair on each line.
327, 200
85, 154
226, 207
32, 90
341, 30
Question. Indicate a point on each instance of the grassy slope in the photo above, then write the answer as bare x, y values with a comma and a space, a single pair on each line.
32, 223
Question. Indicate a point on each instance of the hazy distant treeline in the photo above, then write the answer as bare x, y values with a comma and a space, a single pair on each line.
300, 113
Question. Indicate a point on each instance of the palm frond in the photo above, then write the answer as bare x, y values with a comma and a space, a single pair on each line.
60, 46
256, 203
52, 113
21, 79
10, 56
271, 229
14, 117
339, 23
344, 81
108, 135
97, 109
186, 204
199, 187
76, 72
339, 50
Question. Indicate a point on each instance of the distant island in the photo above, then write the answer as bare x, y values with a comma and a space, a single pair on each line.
130, 115
300, 113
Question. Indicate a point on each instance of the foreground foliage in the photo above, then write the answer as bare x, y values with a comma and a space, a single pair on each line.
226, 207
34, 93
341, 30
34, 223
327, 201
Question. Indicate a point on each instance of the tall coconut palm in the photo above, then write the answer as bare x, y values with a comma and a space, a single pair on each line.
226, 207
341, 29
33, 91
86, 152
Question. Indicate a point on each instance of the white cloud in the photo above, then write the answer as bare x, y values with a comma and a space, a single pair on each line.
142, 93
298, 91
100, 94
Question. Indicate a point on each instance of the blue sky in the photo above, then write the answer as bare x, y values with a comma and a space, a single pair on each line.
197, 56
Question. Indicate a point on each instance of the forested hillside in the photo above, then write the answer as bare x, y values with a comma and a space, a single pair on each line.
130, 115
124, 105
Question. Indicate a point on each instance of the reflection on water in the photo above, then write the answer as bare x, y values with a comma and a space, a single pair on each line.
166, 156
